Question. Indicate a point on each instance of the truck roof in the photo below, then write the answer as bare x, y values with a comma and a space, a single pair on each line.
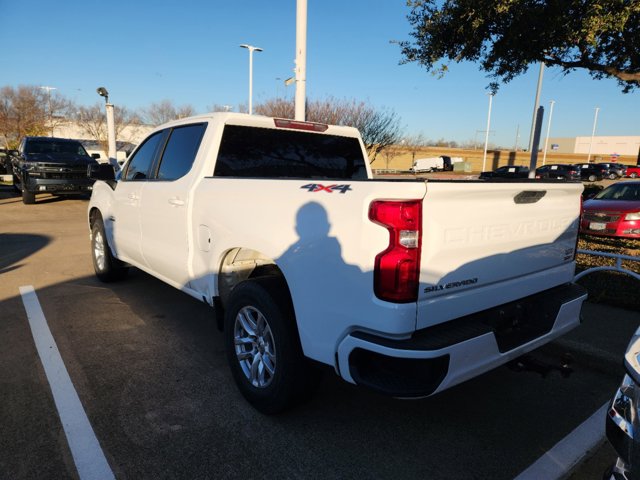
52, 139
244, 119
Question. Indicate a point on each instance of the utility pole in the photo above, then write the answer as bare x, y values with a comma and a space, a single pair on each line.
546, 142
535, 106
593, 132
301, 59
515, 145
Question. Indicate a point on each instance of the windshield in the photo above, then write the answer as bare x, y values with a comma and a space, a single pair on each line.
43, 146
620, 191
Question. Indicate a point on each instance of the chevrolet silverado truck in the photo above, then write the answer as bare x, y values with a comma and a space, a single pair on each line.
50, 165
407, 287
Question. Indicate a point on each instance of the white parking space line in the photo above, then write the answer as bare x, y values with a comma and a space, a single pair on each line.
568, 452
85, 448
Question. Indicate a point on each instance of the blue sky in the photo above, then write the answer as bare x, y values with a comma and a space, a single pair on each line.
188, 52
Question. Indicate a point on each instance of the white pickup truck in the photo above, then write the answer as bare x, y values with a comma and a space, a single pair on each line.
407, 287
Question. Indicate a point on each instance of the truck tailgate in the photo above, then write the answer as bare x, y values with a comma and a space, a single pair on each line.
484, 244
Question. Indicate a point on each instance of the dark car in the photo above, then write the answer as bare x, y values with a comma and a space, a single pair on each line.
507, 171
50, 165
614, 170
623, 418
558, 171
592, 172
5, 163
614, 212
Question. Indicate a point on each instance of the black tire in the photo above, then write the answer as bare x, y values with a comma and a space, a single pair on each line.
592, 178
16, 182
107, 267
634, 175
286, 377
28, 198
612, 176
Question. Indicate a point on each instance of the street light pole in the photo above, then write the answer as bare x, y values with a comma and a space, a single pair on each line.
111, 128
486, 137
251, 49
593, 132
48, 89
546, 142
301, 59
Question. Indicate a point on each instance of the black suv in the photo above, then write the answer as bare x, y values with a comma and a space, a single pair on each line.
508, 171
592, 172
50, 165
559, 171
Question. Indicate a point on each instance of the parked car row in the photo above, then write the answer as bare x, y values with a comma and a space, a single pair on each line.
590, 172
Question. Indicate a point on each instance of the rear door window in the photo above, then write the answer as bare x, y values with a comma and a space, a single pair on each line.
272, 153
180, 151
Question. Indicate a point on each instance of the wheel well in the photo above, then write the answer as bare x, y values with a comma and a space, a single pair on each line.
238, 265
93, 214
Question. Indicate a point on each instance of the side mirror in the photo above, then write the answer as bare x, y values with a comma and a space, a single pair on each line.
103, 172
95, 156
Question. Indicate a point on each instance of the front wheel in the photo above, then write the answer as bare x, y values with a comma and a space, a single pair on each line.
28, 198
263, 348
612, 176
107, 267
634, 175
592, 178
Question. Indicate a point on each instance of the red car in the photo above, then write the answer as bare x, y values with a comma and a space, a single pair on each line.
614, 212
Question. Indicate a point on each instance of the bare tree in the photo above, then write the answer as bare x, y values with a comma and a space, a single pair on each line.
379, 128
276, 107
390, 152
28, 110
165, 111
92, 122
413, 144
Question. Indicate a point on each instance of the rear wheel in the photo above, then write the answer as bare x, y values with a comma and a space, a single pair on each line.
612, 176
634, 175
592, 178
263, 348
107, 267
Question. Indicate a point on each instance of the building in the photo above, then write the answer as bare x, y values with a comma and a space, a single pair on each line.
611, 146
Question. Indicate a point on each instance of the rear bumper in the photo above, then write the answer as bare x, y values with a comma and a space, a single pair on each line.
436, 358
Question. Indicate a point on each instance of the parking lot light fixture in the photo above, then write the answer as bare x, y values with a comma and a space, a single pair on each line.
111, 128
48, 90
251, 49
486, 137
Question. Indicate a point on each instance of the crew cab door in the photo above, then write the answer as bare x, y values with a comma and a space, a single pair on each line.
127, 196
164, 205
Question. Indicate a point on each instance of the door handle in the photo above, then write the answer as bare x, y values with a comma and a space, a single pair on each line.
176, 202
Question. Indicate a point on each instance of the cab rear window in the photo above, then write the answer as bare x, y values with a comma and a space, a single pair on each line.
271, 153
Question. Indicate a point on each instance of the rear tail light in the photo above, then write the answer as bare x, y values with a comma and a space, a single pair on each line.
397, 269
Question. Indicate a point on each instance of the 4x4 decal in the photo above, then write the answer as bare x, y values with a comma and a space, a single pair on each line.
318, 187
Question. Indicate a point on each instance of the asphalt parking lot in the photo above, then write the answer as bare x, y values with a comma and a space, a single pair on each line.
148, 366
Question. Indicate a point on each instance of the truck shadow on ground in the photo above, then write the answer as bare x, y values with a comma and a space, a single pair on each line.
15, 247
